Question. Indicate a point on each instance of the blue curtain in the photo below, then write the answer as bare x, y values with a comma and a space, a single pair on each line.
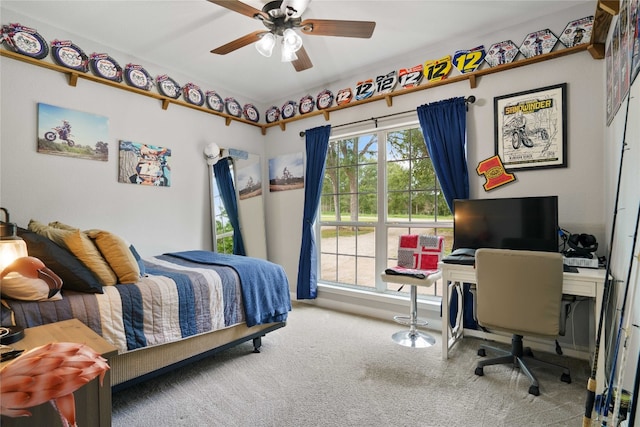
317, 143
224, 181
444, 127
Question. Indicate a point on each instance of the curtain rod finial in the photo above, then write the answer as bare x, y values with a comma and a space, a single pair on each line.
302, 133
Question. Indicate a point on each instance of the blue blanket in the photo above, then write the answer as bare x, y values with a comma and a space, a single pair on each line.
265, 287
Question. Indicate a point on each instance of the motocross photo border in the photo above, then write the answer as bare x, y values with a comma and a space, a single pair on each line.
531, 128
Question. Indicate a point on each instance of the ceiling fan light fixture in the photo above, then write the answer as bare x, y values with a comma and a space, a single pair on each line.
288, 55
265, 44
291, 40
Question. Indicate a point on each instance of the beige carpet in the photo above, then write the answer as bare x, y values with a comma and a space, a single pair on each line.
333, 369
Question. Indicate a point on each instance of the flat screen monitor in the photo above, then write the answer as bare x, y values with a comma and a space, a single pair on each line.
526, 223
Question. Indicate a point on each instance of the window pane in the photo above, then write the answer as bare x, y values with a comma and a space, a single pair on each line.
365, 272
327, 207
347, 241
328, 267
346, 269
368, 207
368, 149
398, 175
398, 206
366, 241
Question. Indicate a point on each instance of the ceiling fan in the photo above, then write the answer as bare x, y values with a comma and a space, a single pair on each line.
282, 18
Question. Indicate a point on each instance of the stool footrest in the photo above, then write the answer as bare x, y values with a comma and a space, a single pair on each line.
406, 320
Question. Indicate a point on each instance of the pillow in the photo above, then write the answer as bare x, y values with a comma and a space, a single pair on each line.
136, 255
118, 255
16, 286
55, 234
82, 247
62, 226
74, 274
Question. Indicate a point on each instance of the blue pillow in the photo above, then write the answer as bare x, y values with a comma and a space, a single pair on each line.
136, 255
74, 274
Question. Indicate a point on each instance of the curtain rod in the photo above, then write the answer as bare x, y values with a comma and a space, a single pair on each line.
468, 100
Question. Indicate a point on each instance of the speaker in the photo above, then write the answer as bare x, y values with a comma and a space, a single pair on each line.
582, 245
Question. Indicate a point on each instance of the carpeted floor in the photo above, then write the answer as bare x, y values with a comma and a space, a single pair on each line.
333, 369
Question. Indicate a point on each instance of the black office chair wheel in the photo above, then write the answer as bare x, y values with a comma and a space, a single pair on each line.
481, 352
534, 390
566, 378
527, 352
479, 371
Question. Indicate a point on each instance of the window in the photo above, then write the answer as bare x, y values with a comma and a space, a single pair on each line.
377, 186
223, 228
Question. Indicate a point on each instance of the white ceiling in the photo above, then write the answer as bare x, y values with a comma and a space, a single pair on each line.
179, 34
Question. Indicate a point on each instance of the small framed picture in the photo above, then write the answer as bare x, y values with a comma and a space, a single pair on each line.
531, 128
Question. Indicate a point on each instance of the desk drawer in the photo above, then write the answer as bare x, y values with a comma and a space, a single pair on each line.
579, 287
460, 276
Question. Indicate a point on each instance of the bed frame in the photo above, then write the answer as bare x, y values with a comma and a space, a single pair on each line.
140, 365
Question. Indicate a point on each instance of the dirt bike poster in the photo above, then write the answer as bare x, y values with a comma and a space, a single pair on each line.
72, 133
249, 178
144, 164
286, 172
531, 128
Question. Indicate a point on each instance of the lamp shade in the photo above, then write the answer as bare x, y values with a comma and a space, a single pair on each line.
288, 54
265, 44
212, 153
12, 247
291, 40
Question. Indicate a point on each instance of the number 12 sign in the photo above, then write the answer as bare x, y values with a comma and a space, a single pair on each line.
439, 69
468, 61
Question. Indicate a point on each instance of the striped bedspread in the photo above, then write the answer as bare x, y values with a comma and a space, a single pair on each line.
175, 300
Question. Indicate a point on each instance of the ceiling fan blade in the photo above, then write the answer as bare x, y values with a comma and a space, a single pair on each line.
330, 27
303, 62
237, 6
238, 43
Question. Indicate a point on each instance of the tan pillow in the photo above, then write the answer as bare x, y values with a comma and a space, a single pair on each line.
57, 235
83, 248
62, 226
118, 255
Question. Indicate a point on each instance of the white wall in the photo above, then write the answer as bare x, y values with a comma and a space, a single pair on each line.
87, 193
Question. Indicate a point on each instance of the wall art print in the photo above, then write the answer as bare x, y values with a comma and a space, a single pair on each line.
71, 133
531, 129
249, 181
144, 164
622, 56
286, 172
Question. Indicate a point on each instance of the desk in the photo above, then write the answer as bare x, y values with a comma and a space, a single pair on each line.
587, 283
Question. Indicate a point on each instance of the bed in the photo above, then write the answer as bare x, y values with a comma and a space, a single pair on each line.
182, 307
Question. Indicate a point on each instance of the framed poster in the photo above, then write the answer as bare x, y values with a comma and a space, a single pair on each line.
144, 164
72, 133
531, 128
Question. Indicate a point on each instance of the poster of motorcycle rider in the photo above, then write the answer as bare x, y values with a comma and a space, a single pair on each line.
531, 128
144, 164
72, 133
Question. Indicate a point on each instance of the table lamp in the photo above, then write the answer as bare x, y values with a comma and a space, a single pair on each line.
12, 247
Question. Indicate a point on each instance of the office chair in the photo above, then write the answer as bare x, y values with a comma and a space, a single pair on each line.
418, 258
519, 292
